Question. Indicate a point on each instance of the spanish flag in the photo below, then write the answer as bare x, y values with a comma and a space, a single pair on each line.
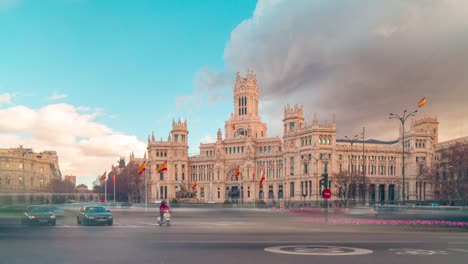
142, 168
163, 167
103, 177
194, 185
262, 179
238, 171
422, 102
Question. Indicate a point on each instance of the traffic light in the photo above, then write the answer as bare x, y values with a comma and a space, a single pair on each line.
324, 180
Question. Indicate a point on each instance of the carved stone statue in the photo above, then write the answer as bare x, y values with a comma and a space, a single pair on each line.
185, 195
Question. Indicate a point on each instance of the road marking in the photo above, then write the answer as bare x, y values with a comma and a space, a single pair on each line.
415, 251
459, 250
454, 237
321, 250
145, 223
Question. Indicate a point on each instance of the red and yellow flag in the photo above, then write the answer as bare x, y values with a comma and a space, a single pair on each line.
103, 177
113, 178
422, 102
142, 168
262, 179
194, 185
163, 167
238, 171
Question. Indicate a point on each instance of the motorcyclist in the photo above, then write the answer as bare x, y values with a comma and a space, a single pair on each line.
162, 208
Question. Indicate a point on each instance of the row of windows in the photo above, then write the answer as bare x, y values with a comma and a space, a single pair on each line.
420, 143
306, 140
202, 167
265, 149
359, 157
325, 139
234, 150
176, 138
161, 153
20, 166
20, 181
371, 169
210, 153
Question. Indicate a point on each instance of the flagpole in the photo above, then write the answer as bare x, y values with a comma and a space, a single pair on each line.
105, 191
255, 191
114, 187
146, 190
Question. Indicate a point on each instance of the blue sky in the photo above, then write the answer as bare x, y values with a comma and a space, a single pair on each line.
92, 78
128, 60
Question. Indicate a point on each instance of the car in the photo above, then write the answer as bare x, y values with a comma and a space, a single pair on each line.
38, 214
94, 215
57, 211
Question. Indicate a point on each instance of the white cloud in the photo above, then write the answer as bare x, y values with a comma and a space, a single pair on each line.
358, 59
207, 139
9, 4
57, 96
6, 98
85, 147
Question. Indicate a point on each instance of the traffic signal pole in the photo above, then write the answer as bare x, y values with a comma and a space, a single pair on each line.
324, 183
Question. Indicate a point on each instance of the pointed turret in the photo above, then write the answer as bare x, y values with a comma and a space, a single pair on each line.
220, 135
152, 137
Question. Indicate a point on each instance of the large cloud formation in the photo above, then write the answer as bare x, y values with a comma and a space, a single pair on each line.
85, 147
358, 59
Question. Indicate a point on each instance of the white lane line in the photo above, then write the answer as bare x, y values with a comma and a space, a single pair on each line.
459, 250
145, 223
455, 237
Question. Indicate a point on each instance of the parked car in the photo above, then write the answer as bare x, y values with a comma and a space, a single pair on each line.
94, 215
38, 214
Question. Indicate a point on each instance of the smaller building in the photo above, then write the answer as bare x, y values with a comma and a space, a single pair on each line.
71, 179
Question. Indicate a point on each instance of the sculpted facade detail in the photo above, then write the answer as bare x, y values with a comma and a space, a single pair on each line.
292, 165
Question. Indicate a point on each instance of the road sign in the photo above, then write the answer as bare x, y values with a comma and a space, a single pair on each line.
102, 200
326, 194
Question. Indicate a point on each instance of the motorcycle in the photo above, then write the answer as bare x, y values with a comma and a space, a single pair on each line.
166, 219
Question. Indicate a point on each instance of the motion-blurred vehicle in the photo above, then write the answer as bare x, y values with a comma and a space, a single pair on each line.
58, 212
94, 215
38, 214
166, 218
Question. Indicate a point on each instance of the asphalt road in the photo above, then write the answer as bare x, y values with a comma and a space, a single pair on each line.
226, 236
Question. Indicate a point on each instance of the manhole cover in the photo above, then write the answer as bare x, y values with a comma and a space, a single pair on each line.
319, 250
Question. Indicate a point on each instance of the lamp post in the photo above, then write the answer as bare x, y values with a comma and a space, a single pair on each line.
352, 140
403, 119
363, 167
23, 153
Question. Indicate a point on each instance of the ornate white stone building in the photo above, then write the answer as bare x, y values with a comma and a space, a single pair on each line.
292, 165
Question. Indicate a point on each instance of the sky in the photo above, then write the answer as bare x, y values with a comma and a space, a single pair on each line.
92, 78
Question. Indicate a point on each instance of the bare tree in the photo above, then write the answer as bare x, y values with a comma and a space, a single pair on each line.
448, 174
342, 181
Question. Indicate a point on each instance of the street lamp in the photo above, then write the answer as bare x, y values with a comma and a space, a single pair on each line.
355, 137
23, 153
403, 119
